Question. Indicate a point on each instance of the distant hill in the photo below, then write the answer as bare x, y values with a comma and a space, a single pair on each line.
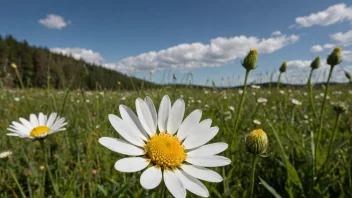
33, 64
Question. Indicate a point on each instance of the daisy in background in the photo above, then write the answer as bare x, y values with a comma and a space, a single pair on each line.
5, 154
177, 153
37, 127
296, 102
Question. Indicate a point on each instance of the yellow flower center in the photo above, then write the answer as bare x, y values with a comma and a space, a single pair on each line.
40, 130
165, 151
254, 51
257, 132
337, 49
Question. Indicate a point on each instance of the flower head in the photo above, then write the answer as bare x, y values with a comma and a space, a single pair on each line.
257, 142
37, 127
316, 63
340, 107
5, 154
283, 67
164, 154
13, 65
335, 57
257, 122
296, 102
262, 100
250, 62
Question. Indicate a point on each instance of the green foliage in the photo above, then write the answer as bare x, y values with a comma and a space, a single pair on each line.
64, 71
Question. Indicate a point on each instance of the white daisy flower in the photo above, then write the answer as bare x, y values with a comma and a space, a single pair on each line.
5, 154
257, 122
262, 100
37, 127
296, 102
177, 153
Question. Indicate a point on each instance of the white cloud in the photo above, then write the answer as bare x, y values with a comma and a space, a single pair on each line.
316, 48
80, 54
276, 33
53, 21
302, 64
333, 14
343, 38
329, 45
347, 55
219, 51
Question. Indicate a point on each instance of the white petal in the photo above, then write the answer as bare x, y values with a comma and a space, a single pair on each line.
192, 184
34, 120
126, 131
202, 173
152, 110
21, 128
200, 137
208, 150
26, 123
211, 161
51, 120
120, 146
191, 120
41, 119
151, 178
129, 117
145, 117
176, 116
131, 164
164, 113
174, 184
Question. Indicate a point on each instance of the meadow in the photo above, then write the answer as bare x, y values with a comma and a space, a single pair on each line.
308, 127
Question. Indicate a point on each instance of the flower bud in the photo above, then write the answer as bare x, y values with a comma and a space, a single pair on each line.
283, 67
316, 63
257, 142
13, 65
335, 57
250, 62
340, 107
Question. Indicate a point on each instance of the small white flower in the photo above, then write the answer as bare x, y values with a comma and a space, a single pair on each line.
240, 91
282, 92
176, 154
123, 98
232, 108
257, 122
37, 127
5, 154
17, 99
199, 101
87, 101
296, 102
262, 100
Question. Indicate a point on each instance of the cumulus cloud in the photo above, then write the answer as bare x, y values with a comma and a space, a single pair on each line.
316, 48
80, 54
329, 45
53, 21
219, 51
302, 64
343, 38
333, 14
347, 55
276, 33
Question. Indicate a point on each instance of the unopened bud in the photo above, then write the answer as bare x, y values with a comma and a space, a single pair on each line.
13, 65
257, 142
335, 57
283, 67
316, 63
250, 62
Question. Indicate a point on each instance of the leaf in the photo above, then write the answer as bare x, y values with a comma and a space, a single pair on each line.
269, 188
293, 175
101, 188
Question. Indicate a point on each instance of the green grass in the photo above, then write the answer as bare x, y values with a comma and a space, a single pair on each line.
73, 155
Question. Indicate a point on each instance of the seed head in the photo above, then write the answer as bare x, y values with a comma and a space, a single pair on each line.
335, 57
283, 67
316, 63
257, 142
250, 62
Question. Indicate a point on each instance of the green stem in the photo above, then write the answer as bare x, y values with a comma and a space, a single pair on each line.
332, 139
278, 82
19, 78
18, 184
240, 107
254, 161
310, 90
321, 117
47, 167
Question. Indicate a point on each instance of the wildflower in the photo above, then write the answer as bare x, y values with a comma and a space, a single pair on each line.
250, 62
37, 127
164, 154
123, 98
282, 92
13, 65
296, 102
257, 122
41, 168
316, 63
17, 99
283, 67
257, 142
262, 100
340, 107
118, 82
335, 57
94, 172
240, 91
5, 154
232, 108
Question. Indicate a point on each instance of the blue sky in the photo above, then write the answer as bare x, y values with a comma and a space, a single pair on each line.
107, 32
